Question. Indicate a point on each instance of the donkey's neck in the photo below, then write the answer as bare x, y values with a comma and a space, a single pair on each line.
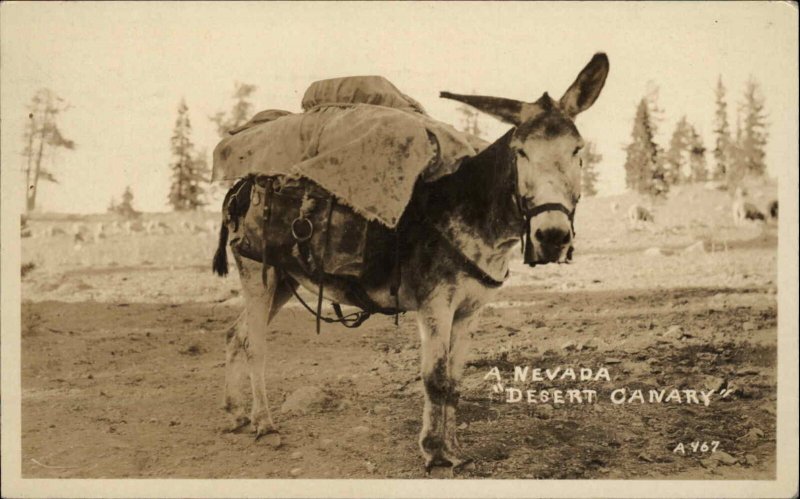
475, 209
480, 194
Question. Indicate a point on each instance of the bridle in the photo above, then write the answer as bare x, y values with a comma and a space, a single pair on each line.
525, 214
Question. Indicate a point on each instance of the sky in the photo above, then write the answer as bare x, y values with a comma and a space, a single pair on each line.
124, 67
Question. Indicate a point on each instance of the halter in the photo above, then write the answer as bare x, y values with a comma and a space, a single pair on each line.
525, 215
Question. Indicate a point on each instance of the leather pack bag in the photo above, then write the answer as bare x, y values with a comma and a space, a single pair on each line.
295, 225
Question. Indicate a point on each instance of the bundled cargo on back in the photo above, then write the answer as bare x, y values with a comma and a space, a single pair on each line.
359, 138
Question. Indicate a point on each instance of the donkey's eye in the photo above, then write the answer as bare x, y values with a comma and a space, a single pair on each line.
577, 150
522, 153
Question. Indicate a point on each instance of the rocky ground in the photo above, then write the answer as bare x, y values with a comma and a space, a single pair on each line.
123, 361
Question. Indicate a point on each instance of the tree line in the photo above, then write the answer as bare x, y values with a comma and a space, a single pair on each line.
189, 169
651, 169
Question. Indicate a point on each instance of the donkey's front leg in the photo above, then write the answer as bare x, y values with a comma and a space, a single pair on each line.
435, 323
463, 325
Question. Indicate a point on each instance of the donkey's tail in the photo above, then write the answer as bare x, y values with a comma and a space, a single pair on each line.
235, 205
220, 263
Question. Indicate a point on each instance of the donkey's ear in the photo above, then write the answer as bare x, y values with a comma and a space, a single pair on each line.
586, 88
508, 110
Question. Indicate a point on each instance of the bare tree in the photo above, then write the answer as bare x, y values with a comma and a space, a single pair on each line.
42, 138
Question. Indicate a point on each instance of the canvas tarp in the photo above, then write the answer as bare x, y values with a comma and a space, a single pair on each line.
368, 155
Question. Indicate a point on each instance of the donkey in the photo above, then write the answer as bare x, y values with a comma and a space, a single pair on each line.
456, 238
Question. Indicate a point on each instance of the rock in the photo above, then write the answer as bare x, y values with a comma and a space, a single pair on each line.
544, 411
591, 344
674, 332
654, 251
370, 467
295, 472
750, 460
304, 400
570, 345
747, 371
724, 458
463, 426
360, 430
709, 463
296, 455
753, 435
613, 360
644, 457
697, 247
326, 442
381, 409
749, 326
714, 383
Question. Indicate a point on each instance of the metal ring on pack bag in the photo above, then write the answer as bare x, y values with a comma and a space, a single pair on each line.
302, 236
256, 198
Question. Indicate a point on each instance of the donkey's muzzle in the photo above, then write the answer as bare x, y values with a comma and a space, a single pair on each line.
549, 238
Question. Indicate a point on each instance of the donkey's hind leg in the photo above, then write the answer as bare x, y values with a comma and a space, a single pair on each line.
235, 369
262, 302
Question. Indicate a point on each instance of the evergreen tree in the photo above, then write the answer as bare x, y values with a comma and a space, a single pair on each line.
125, 208
722, 134
697, 157
677, 156
42, 138
644, 171
653, 108
737, 167
188, 168
241, 111
754, 132
591, 158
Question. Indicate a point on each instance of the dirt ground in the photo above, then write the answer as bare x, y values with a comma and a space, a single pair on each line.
123, 360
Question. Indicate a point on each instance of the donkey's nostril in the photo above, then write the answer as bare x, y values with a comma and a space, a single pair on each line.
553, 237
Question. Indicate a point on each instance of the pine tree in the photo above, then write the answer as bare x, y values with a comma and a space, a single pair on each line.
677, 156
42, 137
188, 168
722, 134
644, 172
591, 158
697, 157
124, 208
737, 167
754, 132
241, 111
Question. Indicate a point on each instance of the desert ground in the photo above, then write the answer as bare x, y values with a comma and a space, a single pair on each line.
123, 357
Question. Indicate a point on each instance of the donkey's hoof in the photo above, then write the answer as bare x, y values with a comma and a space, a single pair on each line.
446, 465
270, 436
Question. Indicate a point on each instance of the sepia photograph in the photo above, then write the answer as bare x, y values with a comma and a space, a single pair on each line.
406, 249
